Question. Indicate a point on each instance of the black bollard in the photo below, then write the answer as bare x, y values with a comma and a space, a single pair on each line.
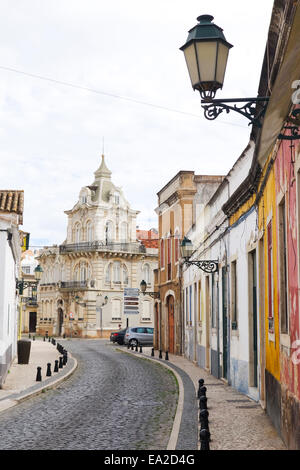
136, 347
48, 373
152, 352
56, 366
203, 418
128, 345
204, 439
132, 347
203, 403
201, 382
141, 350
160, 354
167, 355
44, 338
33, 338
60, 362
202, 391
49, 340
64, 359
39, 375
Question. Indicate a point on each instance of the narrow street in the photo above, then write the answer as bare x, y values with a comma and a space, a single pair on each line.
113, 401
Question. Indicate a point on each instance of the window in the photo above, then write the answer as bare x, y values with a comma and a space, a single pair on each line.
117, 199
89, 232
270, 277
82, 272
77, 233
162, 253
123, 232
26, 269
146, 310
116, 309
109, 232
117, 272
283, 268
234, 315
176, 241
169, 258
146, 273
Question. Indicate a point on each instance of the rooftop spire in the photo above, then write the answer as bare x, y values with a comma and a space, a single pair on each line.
103, 171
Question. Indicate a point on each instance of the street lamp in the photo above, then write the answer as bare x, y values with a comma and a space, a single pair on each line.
143, 286
21, 285
187, 249
99, 304
206, 52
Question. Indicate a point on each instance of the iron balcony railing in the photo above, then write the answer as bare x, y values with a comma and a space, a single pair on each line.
100, 246
74, 284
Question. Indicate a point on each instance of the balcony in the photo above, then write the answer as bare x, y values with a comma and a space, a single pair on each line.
74, 285
100, 246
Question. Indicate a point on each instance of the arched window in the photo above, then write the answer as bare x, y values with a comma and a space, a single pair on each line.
82, 271
77, 233
109, 232
146, 273
125, 275
124, 232
89, 231
117, 272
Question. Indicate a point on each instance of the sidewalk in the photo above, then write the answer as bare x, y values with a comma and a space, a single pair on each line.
235, 421
21, 381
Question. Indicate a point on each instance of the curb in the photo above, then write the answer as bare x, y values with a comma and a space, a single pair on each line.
179, 410
9, 402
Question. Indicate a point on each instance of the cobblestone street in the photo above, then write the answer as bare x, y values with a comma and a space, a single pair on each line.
113, 401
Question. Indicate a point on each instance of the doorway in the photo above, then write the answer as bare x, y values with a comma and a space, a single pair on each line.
170, 306
253, 343
225, 320
60, 314
32, 322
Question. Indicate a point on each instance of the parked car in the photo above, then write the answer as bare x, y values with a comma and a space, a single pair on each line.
118, 336
139, 335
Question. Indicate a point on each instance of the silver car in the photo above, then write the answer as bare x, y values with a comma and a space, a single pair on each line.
139, 335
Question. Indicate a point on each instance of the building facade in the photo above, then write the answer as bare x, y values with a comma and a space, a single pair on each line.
28, 299
11, 217
81, 292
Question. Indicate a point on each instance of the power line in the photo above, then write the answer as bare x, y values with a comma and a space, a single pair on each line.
112, 95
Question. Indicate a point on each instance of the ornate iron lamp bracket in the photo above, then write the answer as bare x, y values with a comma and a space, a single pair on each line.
208, 266
155, 295
213, 108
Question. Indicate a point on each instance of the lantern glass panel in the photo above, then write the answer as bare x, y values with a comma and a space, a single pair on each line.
207, 53
191, 62
222, 62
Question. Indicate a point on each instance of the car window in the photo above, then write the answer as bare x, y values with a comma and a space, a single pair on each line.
134, 330
141, 330
149, 331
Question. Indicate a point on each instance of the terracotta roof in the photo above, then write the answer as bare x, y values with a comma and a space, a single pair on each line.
12, 201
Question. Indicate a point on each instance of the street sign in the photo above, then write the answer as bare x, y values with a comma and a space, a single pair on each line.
131, 301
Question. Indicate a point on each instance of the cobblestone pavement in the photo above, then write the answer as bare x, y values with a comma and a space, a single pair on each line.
113, 401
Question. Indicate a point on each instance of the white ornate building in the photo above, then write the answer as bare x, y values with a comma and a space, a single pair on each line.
100, 257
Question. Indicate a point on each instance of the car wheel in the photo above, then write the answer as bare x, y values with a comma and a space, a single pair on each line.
133, 342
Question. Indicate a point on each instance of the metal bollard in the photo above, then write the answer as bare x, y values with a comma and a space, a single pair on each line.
141, 349
56, 366
203, 418
167, 355
201, 382
152, 352
44, 338
136, 347
204, 439
48, 373
128, 345
203, 403
49, 340
160, 354
60, 362
33, 338
64, 359
132, 347
202, 391
39, 375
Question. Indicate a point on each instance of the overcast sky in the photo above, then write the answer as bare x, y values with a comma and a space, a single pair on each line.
52, 134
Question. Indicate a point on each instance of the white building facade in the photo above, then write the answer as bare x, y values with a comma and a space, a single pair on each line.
11, 213
81, 292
